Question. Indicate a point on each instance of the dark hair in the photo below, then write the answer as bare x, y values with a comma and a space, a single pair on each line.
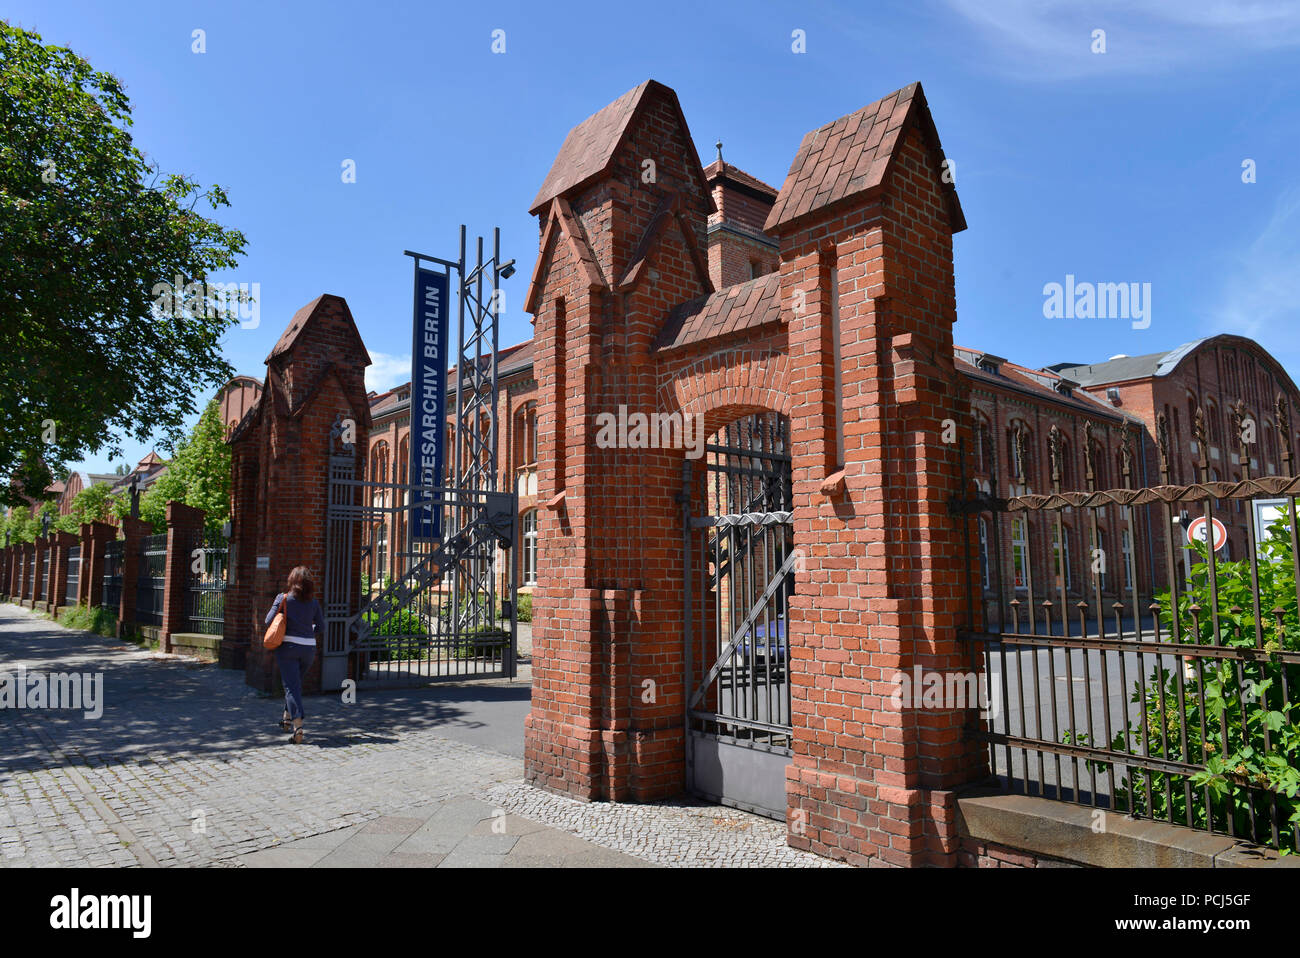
300, 585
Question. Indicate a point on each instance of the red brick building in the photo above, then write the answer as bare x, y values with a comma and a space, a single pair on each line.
1216, 375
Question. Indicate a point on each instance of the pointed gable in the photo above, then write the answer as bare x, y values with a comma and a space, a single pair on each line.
305, 317
852, 156
589, 150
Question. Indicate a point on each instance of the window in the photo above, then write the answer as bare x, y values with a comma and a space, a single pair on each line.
1099, 465
381, 553
983, 445
1098, 560
1061, 561
984, 552
530, 547
1126, 544
1020, 553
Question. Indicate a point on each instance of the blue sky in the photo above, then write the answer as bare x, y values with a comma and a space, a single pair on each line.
1122, 166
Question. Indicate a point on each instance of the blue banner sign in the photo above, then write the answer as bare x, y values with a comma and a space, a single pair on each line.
428, 392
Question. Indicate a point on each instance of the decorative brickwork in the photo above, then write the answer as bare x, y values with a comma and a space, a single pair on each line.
279, 453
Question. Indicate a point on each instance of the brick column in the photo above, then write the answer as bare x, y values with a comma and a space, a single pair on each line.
95, 537
6, 559
871, 782
280, 465
63, 541
133, 530
23, 592
184, 525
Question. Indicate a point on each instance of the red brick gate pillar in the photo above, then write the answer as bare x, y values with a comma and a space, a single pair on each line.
184, 526
63, 541
95, 537
619, 248
280, 462
6, 571
133, 530
865, 224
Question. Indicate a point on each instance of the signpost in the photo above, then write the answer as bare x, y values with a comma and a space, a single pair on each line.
1196, 532
428, 392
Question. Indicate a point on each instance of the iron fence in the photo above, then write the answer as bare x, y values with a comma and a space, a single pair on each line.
29, 575
44, 581
72, 582
207, 583
151, 579
1174, 706
112, 581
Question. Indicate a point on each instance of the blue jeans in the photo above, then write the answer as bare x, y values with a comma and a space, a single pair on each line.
294, 661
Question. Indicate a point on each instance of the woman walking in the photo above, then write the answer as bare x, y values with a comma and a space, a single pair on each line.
303, 620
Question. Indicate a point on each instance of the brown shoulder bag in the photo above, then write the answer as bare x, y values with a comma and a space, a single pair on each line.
275, 631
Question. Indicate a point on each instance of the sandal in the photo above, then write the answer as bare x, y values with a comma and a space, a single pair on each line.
286, 724
297, 736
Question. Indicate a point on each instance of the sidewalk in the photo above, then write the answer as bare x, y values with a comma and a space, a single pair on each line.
187, 766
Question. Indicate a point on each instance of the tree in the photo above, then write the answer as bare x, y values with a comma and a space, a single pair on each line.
92, 236
199, 475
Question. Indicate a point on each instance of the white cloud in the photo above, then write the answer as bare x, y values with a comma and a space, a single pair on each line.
1051, 39
385, 371
1261, 296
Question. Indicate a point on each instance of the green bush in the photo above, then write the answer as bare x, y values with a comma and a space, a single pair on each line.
98, 620
524, 608
409, 636
1251, 748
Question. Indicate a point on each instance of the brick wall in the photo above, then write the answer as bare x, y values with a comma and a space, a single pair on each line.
280, 482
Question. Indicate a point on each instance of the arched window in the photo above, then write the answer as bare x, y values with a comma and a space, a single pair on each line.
530, 547
1213, 428
983, 445
1098, 558
1099, 465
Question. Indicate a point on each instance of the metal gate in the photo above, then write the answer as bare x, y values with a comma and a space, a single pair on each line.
207, 584
151, 580
429, 608
429, 611
72, 582
739, 571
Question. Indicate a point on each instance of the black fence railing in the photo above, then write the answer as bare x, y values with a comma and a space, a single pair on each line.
1176, 706
206, 585
112, 581
151, 580
43, 593
72, 581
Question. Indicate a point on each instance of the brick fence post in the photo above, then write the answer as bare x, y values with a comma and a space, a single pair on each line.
133, 530
6, 558
184, 526
23, 592
280, 479
63, 542
95, 537
868, 264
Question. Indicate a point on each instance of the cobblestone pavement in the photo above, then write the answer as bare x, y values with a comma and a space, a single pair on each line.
187, 767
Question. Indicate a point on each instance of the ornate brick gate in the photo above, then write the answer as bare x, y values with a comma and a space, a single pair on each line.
851, 339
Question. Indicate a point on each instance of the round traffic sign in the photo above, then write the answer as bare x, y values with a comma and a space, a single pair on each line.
1196, 532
